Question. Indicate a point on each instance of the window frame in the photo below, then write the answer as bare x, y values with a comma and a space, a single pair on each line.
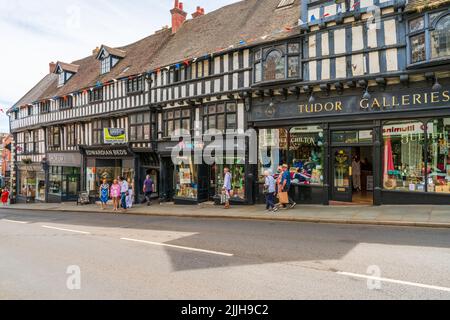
44, 107
96, 95
66, 103
54, 132
135, 85
175, 119
265, 51
106, 65
426, 144
429, 27
206, 115
140, 125
71, 133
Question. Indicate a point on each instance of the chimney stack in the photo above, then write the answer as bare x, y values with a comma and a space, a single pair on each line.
52, 67
95, 51
200, 12
178, 16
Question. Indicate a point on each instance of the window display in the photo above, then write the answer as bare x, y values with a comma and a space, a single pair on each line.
237, 170
273, 150
306, 152
186, 179
438, 167
404, 156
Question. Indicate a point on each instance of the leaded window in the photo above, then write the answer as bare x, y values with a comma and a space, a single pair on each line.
429, 37
220, 117
176, 119
140, 127
279, 62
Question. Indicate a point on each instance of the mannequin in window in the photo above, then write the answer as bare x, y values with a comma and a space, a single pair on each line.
356, 168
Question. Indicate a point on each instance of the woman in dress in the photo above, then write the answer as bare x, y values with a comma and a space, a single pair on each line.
130, 194
115, 195
104, 194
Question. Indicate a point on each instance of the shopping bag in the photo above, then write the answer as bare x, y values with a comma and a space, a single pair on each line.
283, 197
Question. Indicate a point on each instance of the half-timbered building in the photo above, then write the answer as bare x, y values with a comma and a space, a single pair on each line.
322, 82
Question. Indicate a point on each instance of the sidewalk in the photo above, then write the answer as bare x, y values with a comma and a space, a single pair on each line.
415, 216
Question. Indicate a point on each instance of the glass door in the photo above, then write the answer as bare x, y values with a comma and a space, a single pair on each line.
342, 174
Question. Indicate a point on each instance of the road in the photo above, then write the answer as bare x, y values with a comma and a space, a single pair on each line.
104, 256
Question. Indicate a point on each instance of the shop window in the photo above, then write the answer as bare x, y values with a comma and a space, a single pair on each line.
220, 117
176, 119
273, 150
140, 127
429, 37
186, 179
55, 181
277, 63
306, 153
404, 156
28, 184
237, 170
438, 164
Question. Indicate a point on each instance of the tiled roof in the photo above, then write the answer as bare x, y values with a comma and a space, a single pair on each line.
68, 67
139, 55
247, 22
35, 94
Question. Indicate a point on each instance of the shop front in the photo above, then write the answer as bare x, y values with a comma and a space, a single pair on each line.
389, 148
64, 176
191, 179
108, 162
31, 182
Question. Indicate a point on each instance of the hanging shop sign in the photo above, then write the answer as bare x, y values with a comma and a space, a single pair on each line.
114, 136
384, 102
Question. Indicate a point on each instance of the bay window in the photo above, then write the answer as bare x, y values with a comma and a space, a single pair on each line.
429, 37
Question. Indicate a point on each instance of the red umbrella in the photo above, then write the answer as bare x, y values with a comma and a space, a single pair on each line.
388, 157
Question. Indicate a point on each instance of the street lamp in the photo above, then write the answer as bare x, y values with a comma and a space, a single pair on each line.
45, 167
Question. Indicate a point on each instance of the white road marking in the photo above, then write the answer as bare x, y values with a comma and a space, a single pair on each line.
179, 247
13, 221
67, 230
413, 284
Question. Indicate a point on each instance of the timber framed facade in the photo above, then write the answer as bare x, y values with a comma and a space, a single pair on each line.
317, 75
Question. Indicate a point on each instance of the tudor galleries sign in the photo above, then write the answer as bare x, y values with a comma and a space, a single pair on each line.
332, 106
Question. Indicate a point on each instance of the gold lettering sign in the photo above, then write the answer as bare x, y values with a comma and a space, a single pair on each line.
320, 107
405, 100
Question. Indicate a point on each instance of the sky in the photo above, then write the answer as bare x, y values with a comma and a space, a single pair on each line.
35, 33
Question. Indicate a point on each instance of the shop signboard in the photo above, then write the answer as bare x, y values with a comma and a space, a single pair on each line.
114, 136
384, 102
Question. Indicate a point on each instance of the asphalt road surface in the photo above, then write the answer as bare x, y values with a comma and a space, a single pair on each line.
104, 256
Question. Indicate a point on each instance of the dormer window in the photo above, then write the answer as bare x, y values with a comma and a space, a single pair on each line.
109, 58
65, 71
106, 65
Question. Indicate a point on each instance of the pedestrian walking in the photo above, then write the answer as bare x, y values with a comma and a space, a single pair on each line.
104, 194
286, 186
148, 190
269, 191
115, 194
123, 193
130, 194
5, 197
227, 187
